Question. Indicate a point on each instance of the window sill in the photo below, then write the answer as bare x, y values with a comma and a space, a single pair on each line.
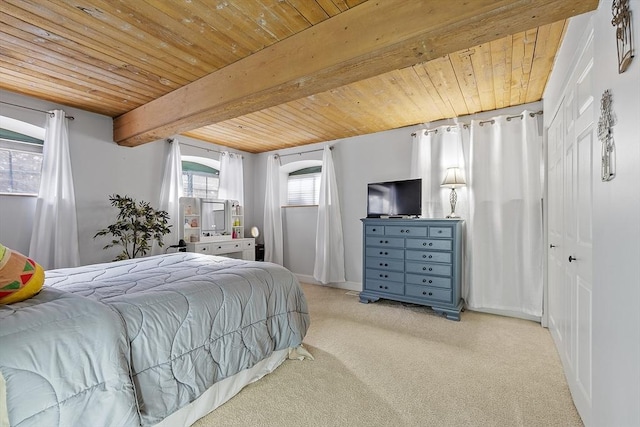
299, 206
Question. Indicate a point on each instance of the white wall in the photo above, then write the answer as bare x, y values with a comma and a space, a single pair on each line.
616, 235
100, 168
616, 223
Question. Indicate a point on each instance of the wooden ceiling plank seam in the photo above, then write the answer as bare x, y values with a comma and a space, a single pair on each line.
43, 65
443, 107
66, 47
230, 34
547, 45
310, 10
443, 75
302, 112
277, 119
465, 77
125, 25
519, 65
48, 54
73, 99
354, 3
263, 124
91, 39
483, 70
341, 4
95, 95
55, 73
287, 15
175, 29
390, 115
501, 60
345, 99
423, 107
240, 26
329, 7
527, 62
255, 13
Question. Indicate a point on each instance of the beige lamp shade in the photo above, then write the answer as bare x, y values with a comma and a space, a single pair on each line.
453, 178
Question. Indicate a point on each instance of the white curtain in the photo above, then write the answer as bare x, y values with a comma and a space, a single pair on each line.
170, 193
504, 230
433, 153
231, 177
273, 236
329, 262
54, 238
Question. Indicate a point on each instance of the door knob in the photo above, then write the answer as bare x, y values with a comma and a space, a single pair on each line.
572, 258
552, 246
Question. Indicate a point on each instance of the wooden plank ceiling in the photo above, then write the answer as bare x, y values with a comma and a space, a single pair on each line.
113, 56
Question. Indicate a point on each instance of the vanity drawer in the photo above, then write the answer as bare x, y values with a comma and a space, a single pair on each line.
443, 245
405, 231
444, 257
225, 247
374, 229
440, 232
439, 282
385, 264
248, 244
386, 287
384, 275
426, 292
385, 253
391, 242
423, 268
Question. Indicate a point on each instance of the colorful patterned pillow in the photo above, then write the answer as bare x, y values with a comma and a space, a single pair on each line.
20, 277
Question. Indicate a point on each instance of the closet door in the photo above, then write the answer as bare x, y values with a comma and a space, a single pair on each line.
571, 177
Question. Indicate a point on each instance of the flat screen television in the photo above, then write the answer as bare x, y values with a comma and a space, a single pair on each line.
394, 199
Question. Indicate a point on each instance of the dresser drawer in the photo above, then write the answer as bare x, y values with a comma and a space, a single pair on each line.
420, 267
385, 253
405, 231
440, 232
248, 244
443, 245
386, 287
444, 257
433, 294
439, 282
225, 247
385, 264
374, 229
393, 276
391, 242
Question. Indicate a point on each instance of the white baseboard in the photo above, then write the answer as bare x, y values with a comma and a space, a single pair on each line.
351, 286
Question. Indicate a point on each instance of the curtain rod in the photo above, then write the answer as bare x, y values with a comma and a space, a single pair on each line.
202, 148
302, 152
483, 122
35, 109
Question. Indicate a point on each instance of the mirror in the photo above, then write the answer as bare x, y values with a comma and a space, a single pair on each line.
254, 231
213, 217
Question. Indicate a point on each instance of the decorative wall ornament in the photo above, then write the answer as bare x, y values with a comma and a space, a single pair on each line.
605, 135
624, 33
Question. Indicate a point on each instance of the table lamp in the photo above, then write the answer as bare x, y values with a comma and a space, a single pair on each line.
453, 179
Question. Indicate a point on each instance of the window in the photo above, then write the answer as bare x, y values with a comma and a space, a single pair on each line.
200, 180
303, 186
20, 162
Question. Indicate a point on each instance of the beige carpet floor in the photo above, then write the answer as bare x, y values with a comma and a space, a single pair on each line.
391, 364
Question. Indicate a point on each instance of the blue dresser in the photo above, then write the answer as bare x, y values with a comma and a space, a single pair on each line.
414, 260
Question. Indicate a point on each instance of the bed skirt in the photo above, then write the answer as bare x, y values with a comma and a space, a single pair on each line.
222, 391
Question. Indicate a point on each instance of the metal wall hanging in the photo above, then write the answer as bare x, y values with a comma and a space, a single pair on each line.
624, 34
605, 135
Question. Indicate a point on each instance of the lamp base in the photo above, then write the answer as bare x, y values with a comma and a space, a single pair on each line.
452, 215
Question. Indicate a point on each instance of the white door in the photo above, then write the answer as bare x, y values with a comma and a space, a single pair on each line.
571, 177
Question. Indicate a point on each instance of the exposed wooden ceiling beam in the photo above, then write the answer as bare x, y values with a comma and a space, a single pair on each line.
370, 39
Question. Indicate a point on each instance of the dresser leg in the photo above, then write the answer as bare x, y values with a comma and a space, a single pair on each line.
367, 299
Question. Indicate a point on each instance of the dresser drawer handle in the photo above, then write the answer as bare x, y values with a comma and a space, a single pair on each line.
430, 256
383, 287
384, 275
425, 293
439, 231
384, 264
425, 281
402, 231
374, 229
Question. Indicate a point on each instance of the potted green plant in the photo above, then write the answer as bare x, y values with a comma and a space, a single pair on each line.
137, 226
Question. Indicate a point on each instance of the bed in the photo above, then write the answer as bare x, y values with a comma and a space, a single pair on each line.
161, 340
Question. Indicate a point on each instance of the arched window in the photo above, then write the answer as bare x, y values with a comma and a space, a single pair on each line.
303, 182
200, 177
20, 157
